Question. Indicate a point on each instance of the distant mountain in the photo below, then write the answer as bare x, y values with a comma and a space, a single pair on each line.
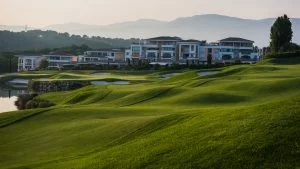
15, 28
209, 27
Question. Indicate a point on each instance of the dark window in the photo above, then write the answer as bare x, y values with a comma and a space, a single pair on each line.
151, 55
226, 57
167, 55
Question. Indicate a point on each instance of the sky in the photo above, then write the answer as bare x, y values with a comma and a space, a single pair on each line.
40, 13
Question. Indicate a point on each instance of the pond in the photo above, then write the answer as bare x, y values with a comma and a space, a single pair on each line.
207, 73
19, 83
8, 98
167, 76
101, 74
99, 82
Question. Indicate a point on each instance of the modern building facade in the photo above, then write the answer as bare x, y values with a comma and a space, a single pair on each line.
237, 48
114, 55
191, 51
128, 55
28, 62
156, 49
175, 49
56, 61
159, 50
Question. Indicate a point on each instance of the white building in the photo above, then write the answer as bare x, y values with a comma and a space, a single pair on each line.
191, 50
128, 55
28, 62
32, 62
237, 49
159, 49
113, 55
58, 61
174, 49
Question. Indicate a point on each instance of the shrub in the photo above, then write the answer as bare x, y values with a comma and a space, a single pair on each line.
23, 100
283, 55
38, 103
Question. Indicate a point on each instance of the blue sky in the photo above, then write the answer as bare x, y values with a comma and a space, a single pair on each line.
39, 13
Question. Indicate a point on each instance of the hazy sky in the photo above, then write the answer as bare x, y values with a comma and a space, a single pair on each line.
38, 13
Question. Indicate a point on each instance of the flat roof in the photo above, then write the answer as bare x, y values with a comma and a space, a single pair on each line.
235, 39
106, 50
165, 38
193, 41
28, 55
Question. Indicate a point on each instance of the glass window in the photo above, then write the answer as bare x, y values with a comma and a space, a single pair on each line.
136, 49
168, 49
167, 55
151, 55
28, 62
192, 48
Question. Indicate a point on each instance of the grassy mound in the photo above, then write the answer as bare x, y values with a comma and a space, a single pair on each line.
243, 117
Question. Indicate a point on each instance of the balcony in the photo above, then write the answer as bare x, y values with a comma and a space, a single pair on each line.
237, 47
61, 61
168, 46
150, 46
155, 51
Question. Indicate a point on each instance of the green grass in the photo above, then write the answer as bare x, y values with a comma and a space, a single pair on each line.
245, 116
81, 75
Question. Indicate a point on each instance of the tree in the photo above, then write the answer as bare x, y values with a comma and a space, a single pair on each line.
31, 40
209, 59
294, 47
281, 34
44, 64
8, 62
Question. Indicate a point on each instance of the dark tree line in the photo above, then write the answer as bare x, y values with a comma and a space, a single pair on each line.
8, 62
37, 39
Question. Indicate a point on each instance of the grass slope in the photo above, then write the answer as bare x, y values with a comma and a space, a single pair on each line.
243, 117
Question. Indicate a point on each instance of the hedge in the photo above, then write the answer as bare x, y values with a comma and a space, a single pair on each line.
283, 55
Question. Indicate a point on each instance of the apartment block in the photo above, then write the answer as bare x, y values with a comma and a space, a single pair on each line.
55, 60
158, 50
175, 49
98, 56
28, 62
58, 61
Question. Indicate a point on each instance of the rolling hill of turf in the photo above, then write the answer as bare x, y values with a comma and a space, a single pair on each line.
245, 116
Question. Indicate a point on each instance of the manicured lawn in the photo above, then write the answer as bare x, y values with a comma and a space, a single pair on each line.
245, 116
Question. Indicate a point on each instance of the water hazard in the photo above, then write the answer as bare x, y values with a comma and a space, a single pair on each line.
8, 98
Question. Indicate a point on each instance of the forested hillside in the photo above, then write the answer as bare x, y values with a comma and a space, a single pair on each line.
37, 39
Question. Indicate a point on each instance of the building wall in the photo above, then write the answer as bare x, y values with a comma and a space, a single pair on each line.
128, 54
119, 56
26, 63
57, 61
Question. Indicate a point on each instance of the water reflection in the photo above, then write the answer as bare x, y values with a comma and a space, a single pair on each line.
208, 73
167, 76
8, 98
101, 82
